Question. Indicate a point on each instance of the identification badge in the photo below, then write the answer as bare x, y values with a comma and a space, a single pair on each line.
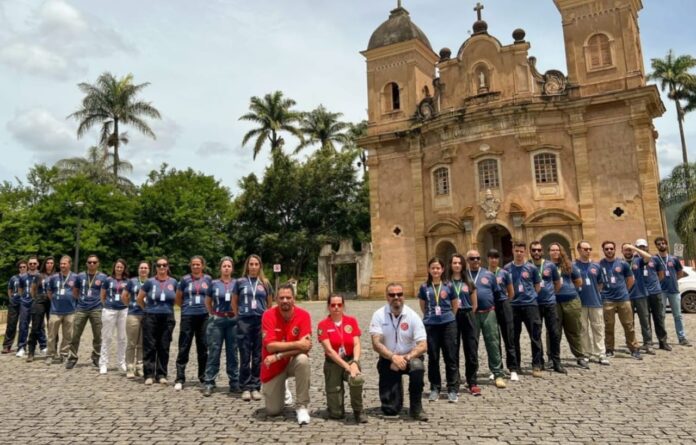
227, 296
438, 310
89, 292
342, 351
61, 292
520, 288
666, 273
117, 297
561, 281
587, 281
613, 280
163, 297
254, 305
645, 272
198, 299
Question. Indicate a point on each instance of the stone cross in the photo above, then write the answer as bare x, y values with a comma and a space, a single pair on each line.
478, 9
398, 4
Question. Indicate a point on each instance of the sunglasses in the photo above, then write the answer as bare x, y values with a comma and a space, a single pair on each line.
474, 258
609, 249
395, 294
92, 262
336, 305
161, 265
537, 250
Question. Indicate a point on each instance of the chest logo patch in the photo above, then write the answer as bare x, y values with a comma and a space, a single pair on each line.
296, 331
404, 326
525, 275
170, 286
617, 269
348, 329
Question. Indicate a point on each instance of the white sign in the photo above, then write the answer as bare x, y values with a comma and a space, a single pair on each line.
276, 268
678, 250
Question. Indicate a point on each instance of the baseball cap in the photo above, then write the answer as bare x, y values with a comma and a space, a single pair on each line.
640, 242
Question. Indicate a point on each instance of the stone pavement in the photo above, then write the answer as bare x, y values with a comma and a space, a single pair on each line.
653, 401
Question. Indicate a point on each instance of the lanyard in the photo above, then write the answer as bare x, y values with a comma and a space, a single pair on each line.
395, 326
472, 278
64, 280
196, 284
437, 294
457, 289
162, 283
253, 286
90, 282
119, 286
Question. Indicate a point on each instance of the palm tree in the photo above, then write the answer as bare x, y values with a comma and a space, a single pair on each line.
273, 114
112, 102
685, 225
97, 166
674, 191
355, 132
323, 127
673, 75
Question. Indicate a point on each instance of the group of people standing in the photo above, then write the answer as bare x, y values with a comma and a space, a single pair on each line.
266, 344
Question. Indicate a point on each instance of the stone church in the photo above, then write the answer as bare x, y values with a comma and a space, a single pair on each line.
475, 148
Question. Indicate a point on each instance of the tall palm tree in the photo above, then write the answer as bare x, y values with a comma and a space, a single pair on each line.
112, 102
273, 114
672, 73
685, 225
353, 133
323, 127
97, 166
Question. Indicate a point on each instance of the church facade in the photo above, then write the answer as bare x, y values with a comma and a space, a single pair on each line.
476, 148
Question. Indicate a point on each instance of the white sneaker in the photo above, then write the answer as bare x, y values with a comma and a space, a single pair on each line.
491, 377
303, 416
178, 386
288, 395
148, 381
20, 353
102, 370
514, 377
43, 352
122, 367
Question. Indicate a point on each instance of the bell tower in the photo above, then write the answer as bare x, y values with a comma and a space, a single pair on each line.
602, 43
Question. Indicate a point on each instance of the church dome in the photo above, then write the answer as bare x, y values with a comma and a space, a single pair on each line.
399, 28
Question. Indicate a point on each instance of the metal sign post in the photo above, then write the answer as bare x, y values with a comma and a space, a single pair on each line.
276, 272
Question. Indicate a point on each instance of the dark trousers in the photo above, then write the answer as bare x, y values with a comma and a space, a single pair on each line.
443, 338
157, 337
192, 326
503, 314
222, 329
249, 343
37, 332
11, 329
548, 316
467, 337
645, 306
529, 316
24, 321
655, 303
391, 389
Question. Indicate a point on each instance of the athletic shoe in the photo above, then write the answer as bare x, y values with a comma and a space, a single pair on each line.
500, 383
149, 381
636, 355
557, 367
452, 397
246, 396
665, 346
70, 364
20, 353
102, 370
583, 363
536, 372
648, 350
491, 377
163, 381
610, 353
30, 358
122, 367
255, 395
208, 390
130, 372
303, 416
43, 352
514, 377
684, 342
434, 395
178, 386
474, 390
49, 360
603, 361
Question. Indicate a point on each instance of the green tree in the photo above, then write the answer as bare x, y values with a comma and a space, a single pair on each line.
112, 102
96, 166
273, 114
354, 133
672, 74
323, 127
675, 191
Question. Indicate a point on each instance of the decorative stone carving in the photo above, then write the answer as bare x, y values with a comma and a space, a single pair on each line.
490, 205
554, 83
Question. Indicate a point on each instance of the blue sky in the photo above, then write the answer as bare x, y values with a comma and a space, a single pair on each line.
205, 59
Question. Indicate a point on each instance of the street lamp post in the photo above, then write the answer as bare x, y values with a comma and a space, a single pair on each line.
76, 264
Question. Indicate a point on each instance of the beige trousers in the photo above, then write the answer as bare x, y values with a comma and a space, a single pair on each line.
62, 323
592, 319
274, 390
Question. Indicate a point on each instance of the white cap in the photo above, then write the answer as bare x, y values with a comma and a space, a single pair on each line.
640, 242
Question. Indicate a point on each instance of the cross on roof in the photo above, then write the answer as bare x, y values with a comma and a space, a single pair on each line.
478, 9
398, 3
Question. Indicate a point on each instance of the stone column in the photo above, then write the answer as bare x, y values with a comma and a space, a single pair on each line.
586, 205
415, 156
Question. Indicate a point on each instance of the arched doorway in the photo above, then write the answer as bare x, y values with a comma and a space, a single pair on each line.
445, 250
556, 238
496, 237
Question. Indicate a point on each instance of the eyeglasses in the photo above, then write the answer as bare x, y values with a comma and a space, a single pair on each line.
336, 305
33, 264
586, 249
161, 265
91, 262
537, 250
608, 249
474, 258
395, 294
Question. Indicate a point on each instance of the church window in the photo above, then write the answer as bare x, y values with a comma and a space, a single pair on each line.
599, 48
392, 97
546, 168
488, 174
442, 185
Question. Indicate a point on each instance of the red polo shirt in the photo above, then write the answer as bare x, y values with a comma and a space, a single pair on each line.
338, 336
274, 328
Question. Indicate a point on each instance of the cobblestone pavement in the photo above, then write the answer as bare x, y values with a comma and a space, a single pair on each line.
653, 401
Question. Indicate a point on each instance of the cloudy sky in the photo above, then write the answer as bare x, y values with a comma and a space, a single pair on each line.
205, 59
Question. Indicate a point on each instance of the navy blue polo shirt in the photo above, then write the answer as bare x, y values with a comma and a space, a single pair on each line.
437, 296
486, 288
568, 292
114, 293
221, 295
13, 285
89, 290
615, 274
650, 277
133, 287
672, 266
62, 300
592, 277
194, 291
25, 283
159, 295
249, 290
638, 290
503, 279
524, 278
549, 275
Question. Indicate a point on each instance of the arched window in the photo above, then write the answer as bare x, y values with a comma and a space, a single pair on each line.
392, 97
599, 48
546, 168
488, 175
441, 179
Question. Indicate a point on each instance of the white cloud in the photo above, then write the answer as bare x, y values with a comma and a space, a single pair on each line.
47, 136
213, 148
167, 132
57, 40
669, 155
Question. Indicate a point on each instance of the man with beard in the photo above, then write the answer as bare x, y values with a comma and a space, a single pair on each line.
670, 289
287, 338
618, 279
398, 336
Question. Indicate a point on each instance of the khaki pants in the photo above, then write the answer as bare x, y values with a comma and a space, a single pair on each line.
134, 346
569, 313
80, 320
274, 390
625, 312
334, 376
62, 323
592, 319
